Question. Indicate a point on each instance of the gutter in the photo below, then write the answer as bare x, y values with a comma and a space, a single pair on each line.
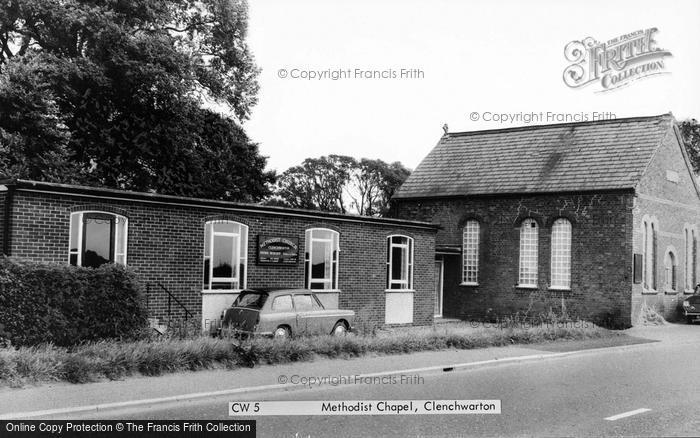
181, 201
448, 197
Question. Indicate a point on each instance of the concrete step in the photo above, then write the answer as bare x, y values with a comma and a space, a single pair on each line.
441, 320
155, 324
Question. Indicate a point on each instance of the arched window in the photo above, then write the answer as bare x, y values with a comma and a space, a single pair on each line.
470, 252
561, 254
671, 268
321, 259
653, 240
645, 254
650, 243
691, 257
688, 260
225, 255
694, 260
399, 262
96, 238
527, 275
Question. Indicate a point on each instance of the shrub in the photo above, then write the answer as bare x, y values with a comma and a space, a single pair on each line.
66, 305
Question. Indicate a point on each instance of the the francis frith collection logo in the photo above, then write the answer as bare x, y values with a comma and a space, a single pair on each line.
616, 62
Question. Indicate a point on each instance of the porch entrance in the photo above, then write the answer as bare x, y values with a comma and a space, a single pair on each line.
439, 279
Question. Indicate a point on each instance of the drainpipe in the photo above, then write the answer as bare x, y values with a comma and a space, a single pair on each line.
7, 228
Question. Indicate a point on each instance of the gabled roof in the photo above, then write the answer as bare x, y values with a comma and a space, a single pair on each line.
569, 157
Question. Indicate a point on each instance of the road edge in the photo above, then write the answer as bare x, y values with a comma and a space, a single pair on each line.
263, 388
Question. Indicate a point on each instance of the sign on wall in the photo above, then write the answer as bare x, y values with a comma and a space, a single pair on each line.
277, 250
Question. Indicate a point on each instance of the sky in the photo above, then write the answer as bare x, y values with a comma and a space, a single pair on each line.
465, 63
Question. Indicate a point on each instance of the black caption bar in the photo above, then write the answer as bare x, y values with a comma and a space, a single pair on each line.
128, 428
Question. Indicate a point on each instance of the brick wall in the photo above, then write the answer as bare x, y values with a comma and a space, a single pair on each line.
601, 253
166, 244
671, 205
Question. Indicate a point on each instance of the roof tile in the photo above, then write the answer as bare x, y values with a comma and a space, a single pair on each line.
601, 155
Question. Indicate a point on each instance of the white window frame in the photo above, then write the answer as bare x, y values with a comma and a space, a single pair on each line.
470, 253
691, 258
650, 249
332, 281
78, 215
654, 260
529, 253
645, 254
562, 231
687, 280
406, 249
671, 270
239, 253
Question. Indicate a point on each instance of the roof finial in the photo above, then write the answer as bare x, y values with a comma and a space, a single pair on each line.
445, 128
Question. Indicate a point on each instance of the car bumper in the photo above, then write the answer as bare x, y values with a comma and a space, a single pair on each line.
242, 334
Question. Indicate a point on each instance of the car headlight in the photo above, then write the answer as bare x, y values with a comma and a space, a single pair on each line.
686, 303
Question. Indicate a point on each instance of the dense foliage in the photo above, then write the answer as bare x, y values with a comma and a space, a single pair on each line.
341, 184
690, 131
66, 305
139, 94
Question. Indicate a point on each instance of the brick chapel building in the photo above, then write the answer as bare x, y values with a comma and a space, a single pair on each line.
599, 219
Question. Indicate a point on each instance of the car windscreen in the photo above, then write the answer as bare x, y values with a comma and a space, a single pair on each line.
252, 300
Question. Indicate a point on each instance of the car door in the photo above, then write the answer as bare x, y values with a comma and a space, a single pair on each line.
282, 313
309, 317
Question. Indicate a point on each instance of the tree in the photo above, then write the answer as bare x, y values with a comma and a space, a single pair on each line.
34, 138
690, 131
119, 94
316, 184
340, 184
373, 183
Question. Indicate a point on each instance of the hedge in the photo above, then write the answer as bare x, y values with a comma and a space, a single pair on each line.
66, 305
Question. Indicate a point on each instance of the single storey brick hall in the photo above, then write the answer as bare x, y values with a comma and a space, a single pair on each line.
195, 255
599, 217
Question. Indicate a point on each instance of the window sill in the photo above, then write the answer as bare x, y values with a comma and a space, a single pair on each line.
399, 290
650, 292
688, 292
670, 292
526, 286
322, 291
221, 291
469, 283
563, 289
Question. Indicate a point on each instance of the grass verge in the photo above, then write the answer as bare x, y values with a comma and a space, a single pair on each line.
114, 360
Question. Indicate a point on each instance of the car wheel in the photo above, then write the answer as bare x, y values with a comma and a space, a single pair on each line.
689, 319
282, 332
340, 329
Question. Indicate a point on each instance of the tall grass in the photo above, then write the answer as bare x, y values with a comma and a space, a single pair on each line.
94, 361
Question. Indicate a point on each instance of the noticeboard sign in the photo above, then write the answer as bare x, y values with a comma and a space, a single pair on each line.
278, 250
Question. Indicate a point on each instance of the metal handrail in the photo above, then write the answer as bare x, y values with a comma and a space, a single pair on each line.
170, 298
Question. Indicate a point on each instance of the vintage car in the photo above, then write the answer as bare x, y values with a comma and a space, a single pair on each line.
283, 313
691, 306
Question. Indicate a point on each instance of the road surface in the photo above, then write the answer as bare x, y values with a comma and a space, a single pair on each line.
648, 390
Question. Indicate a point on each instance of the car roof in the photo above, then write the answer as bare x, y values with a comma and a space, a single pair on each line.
278, 291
